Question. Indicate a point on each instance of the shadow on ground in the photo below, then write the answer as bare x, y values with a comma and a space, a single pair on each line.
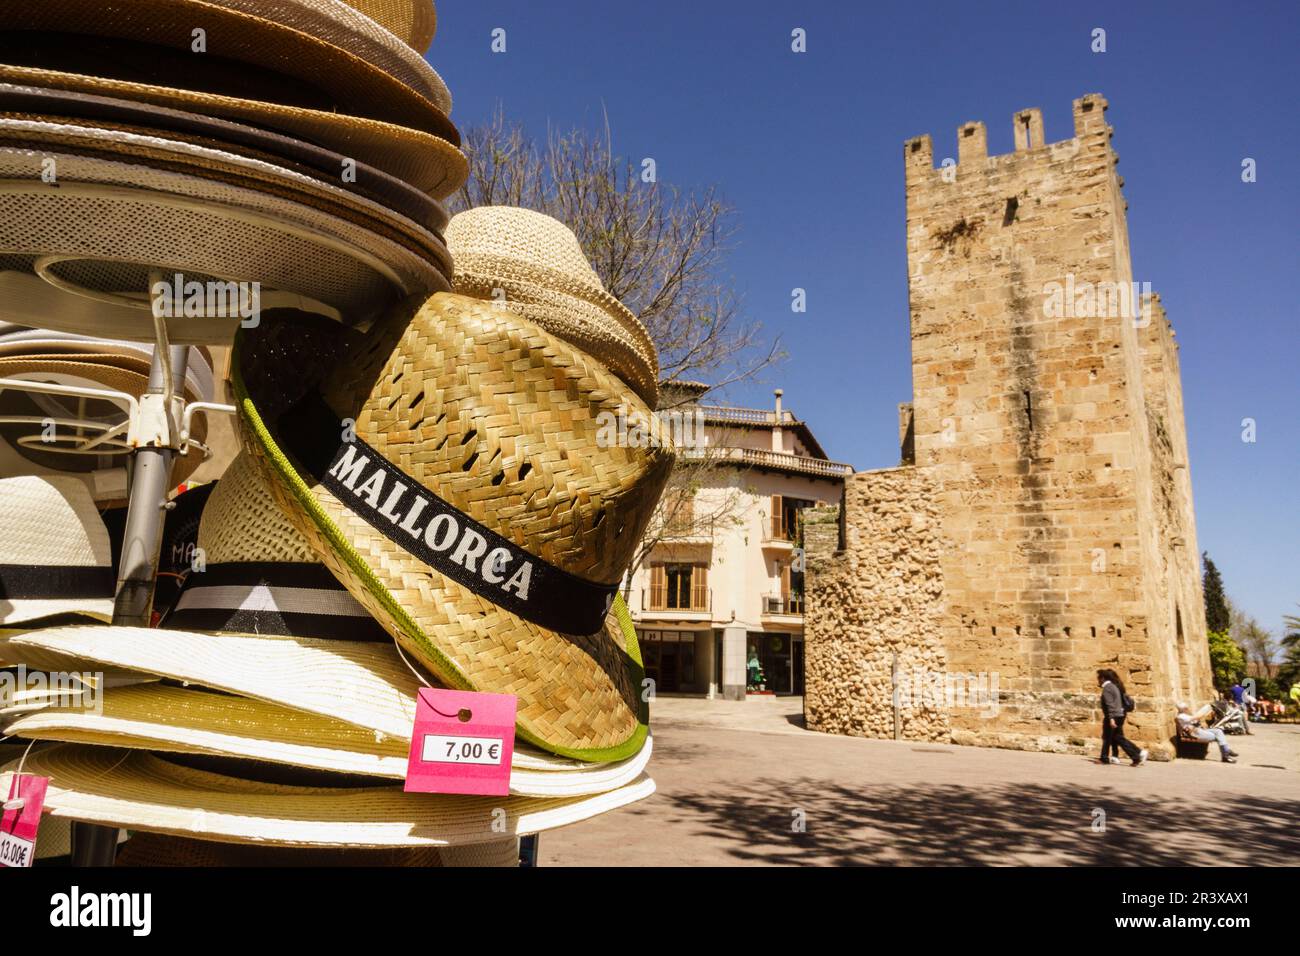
951, 825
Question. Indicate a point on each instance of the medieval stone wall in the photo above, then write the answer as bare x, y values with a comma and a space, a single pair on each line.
1047, 435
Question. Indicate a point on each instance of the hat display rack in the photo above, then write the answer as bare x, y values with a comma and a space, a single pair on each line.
156, 428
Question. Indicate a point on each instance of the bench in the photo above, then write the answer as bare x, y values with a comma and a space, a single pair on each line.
1191, 749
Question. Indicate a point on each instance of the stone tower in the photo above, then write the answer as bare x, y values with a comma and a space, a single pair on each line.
1043, 508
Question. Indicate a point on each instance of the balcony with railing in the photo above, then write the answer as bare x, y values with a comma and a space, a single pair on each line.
775, 460
783, 605
685, 603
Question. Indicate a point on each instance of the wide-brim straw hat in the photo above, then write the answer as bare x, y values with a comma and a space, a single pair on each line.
55, 555
424, 160
30, 103
344, 26
250, 639
220, 165
534, 264
490, 425
137, 790
248, 52
95, 238
169, 719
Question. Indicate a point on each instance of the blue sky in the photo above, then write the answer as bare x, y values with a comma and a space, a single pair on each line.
808, 148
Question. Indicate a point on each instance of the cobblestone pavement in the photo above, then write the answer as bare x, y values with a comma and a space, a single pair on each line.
736, 778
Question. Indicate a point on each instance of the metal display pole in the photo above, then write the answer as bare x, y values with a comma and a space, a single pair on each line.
151, 470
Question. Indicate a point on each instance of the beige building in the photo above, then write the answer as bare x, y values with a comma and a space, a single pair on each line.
1040, 526
721, 586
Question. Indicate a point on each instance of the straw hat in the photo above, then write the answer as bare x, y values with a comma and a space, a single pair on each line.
426, 161
319, 683
345, 26
414, 21
187, 720
487, 426
58, 106
135, 38
535, 265
219, 165
140, 791
107, 224
55, 556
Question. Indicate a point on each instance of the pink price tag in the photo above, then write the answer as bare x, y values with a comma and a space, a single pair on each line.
463, 743
21, 819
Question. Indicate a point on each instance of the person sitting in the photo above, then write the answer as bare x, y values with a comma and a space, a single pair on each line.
1189, 728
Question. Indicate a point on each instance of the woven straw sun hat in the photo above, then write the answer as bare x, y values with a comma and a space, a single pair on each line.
468, 503
426, 161
242, 51
219, 165
310, 679
137, 790
535, 265
77, 257
163, 718
345, 26
415, 22
57, 106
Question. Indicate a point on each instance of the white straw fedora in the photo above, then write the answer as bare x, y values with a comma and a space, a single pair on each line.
137, 790
97, 235
534, 265
425, 161
55, 556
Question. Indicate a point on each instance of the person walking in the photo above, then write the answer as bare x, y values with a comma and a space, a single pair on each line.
1115, 707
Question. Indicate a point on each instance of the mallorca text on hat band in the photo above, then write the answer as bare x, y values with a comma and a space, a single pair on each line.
439, 534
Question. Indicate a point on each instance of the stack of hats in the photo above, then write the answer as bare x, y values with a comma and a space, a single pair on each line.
428, 502
298, 147
425, 495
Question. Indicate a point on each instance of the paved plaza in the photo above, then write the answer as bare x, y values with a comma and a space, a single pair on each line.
735, 778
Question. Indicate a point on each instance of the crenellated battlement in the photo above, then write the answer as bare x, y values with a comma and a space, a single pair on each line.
1029, 138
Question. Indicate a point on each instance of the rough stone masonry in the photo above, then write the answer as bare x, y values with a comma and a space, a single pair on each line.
1041, 525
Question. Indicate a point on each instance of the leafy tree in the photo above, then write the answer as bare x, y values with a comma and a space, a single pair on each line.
1216, 603
1289, 673
1227, 660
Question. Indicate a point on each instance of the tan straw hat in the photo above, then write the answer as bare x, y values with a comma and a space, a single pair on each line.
140, 791
240, 51
414, 21
471, 507
319, 684
344, 26
160, 849
55, 556
535, 265
107, 224
426, 161
219, 165
81, 109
